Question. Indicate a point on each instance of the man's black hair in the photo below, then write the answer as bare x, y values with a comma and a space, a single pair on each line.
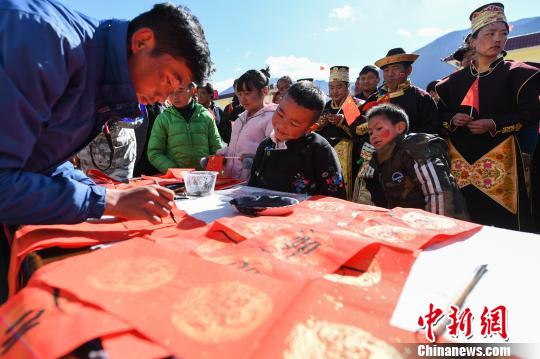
253, 79
406, 65
431, 85
208, 88
393, 113
285, 78
369, 68
307, 95
179, 34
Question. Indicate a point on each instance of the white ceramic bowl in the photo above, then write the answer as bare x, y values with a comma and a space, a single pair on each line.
200, 183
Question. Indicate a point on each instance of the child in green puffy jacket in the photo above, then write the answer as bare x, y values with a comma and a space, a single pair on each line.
183, 134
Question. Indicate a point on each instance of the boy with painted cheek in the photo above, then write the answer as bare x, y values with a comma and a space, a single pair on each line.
413, 169
295, 159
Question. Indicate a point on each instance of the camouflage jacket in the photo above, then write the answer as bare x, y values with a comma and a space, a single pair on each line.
97, 154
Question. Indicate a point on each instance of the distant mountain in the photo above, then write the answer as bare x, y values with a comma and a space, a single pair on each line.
429, 66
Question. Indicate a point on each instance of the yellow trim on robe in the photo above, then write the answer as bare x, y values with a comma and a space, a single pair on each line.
344, 150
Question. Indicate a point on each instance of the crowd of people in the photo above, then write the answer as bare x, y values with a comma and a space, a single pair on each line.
463, 148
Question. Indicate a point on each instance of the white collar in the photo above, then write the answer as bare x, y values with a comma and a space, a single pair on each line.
280, 145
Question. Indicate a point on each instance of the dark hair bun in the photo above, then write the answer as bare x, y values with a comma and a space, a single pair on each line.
266, 72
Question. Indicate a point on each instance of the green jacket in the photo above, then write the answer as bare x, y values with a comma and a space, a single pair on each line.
179, 143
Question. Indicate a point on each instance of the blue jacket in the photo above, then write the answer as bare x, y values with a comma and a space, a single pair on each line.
62, 75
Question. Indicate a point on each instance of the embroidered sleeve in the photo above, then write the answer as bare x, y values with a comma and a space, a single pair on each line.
332, 180
507, 129
302, 184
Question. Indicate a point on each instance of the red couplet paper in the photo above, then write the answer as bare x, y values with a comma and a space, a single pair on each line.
132, 345
32, 238
329, 211
412, 229
253, 259
186, 237
101, 178
41, 323
325, 233
194, 308
320, 250
173, 175
374, 288
345, 315
227, 182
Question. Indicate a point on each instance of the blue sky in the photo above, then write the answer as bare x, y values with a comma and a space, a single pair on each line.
296, 37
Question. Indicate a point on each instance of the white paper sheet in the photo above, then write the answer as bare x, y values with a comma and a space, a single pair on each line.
439, 274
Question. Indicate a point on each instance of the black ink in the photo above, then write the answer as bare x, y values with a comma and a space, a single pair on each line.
26, 322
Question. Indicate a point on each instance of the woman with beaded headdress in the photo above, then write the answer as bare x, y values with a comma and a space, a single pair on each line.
485, 105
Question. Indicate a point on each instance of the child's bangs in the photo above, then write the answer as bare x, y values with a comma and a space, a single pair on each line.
246, 84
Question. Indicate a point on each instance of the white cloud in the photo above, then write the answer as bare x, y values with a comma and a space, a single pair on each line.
297, 67
331, 29
238, 69
404, 33
248, 53
223, 85
345, 12
432, 31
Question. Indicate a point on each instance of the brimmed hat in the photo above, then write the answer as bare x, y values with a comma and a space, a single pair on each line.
339, 73
459, 54
395, 56
487, 14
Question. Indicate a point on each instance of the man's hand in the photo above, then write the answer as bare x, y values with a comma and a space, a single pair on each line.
479, 127
146, 202
460, 119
